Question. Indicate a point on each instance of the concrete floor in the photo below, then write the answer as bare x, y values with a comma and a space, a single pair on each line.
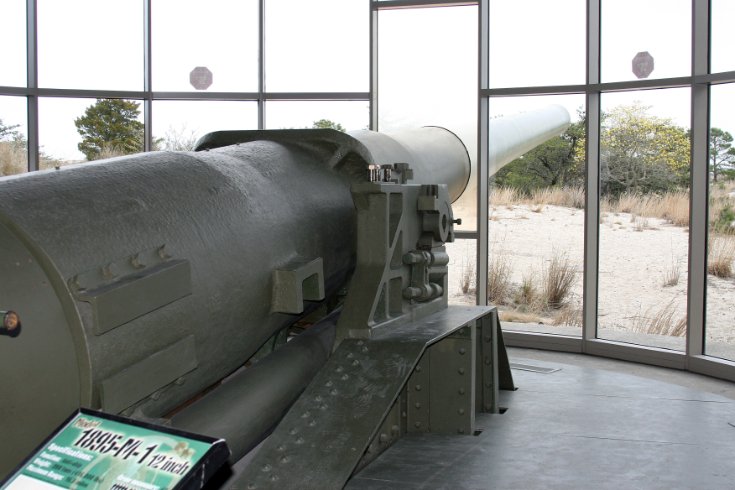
595, 423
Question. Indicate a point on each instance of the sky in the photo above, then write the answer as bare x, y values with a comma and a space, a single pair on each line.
427, 60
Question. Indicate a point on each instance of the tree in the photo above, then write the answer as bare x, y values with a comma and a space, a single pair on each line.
327, 124
8, 131
556, 163
110, 126
721, 152
642, 153
177, 139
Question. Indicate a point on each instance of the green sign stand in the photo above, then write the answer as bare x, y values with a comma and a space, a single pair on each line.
97, 451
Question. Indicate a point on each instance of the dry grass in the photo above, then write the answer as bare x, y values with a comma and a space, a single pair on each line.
672, 207
558, 278
467, 277
505, 196
13, 158
661, 321
527, 294
569, 315
570, 197
672, 273
519, 317
720, 256
498, 279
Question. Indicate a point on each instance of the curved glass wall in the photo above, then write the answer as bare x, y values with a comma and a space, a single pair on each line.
648, 234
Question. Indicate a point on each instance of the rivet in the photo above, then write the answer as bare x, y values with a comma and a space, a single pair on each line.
274, 477
404, 415
350, 355
417, 424
418, 405
318, 398
460, 411
284, 459
460, 370
487, 361
74, 280
293, 431
135, 262
162, 253
418, 369
156, 395
383, 438
345, 377
300, 440
418, 387
266, 467
461, 391
360, 342
395, 430
462, 351
252, 486
108, 271
328, 383
312, 423
364, 349
180, 381
305, 414
281, 448
339, 369
323, 406
333, 392
355, 362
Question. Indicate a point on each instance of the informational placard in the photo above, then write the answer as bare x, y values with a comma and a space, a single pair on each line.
97, 451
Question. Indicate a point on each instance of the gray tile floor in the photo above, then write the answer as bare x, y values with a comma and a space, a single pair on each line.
594, 423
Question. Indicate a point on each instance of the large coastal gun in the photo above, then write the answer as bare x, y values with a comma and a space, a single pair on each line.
141, 282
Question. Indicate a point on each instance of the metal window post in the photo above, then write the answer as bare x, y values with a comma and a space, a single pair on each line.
592, 191
699, 174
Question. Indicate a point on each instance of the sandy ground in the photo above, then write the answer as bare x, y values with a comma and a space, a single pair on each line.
636, 257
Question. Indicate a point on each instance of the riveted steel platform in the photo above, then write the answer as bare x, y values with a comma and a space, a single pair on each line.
324, 436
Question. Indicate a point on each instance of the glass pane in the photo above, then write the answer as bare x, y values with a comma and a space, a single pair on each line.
428, 77
644, 217
88, 44
111, 127
13, 136
650, 39
537, 42
722, 39
317, 46
219, 39
720, 327
462, 280
345, 116
13, 36
177, 125
536, 227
